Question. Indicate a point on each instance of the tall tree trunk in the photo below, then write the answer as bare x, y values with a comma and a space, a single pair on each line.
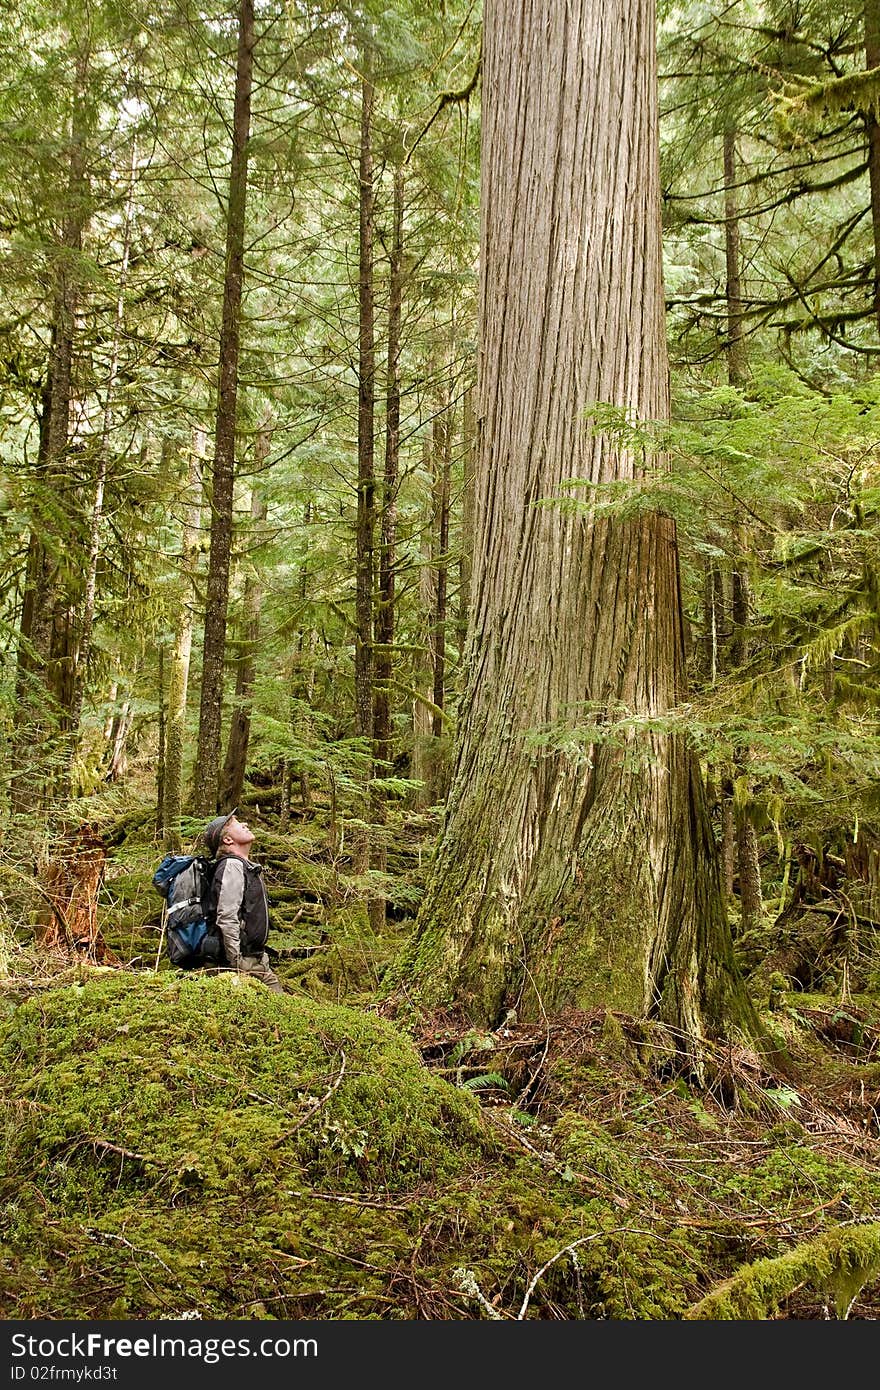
46, 652
590, 877
163, 748
365, 524
748, 862
383, 666
747, 857
384, 626
442, 464
735, 352
178, 678
87, 617
205, 787
122, 722
235, 764
466, 558
421, 765
872, 128
301, 696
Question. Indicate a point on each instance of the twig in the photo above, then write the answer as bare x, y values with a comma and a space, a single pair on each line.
760, 1220
313, 1110
550, 1162
161, 936
352, 1201
138, 1250
105, 1146
567, 1250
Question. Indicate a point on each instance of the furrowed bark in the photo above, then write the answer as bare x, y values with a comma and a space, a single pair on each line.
235, 763
178, 678
205, 786
572, 873
366, 502
384, 625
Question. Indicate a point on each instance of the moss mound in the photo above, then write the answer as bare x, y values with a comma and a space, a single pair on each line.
176, 1144
163, 1137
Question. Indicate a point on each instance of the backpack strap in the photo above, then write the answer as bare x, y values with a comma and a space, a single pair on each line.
178, 907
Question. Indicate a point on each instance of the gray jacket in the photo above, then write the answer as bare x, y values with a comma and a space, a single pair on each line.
240, 907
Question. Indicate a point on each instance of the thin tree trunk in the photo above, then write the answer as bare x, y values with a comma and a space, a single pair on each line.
47, 652
87, 621
205, 787
442, 463
384, 627
302, 694
748, 862
365, 524
423, 666
119, 757
162, 750
872, 128
466, 560
735, 353
568, 875
235, 764
388, 522
178, 679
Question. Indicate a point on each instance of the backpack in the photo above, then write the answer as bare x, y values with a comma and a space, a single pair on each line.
191, 939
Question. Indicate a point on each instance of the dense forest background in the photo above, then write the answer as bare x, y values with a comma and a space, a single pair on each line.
238, 357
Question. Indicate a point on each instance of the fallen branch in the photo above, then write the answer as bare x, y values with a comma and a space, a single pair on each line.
318, 1105
567, 1250
840, 1262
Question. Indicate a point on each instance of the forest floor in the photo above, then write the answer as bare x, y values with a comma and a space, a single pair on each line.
188, 1145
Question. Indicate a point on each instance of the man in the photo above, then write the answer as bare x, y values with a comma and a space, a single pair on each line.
237, 899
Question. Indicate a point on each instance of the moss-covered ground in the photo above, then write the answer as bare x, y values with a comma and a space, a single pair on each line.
177, 1144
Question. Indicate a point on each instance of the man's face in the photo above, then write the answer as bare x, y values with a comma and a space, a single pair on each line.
237, 833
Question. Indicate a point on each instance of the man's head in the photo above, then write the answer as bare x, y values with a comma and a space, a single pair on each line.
228, 835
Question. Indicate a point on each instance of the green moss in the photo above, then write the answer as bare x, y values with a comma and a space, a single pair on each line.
110, 1060
184, 1143
839, 1262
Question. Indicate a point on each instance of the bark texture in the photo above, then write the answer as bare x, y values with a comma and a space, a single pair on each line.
205, 787
366, 488
235, 763
872, 130
178, 678
590, 877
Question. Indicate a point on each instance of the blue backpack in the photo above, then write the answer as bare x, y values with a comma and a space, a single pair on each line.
191, 938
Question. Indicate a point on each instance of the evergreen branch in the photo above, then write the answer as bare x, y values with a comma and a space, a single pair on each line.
447, 99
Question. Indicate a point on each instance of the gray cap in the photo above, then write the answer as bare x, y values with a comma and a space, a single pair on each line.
213, 831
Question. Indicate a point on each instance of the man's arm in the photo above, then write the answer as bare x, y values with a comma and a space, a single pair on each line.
228, 905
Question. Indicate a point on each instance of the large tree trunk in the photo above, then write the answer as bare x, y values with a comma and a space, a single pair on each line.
205, 786
366, 501
578, 870
178, 678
